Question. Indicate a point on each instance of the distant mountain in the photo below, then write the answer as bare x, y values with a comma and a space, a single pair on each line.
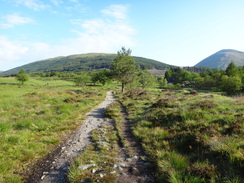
222, 58
82, 62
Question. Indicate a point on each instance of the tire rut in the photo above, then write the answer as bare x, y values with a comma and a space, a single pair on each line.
136, 169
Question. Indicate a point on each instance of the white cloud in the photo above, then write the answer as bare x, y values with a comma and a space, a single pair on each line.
76, 21
116, 11
10, 52
94, 26
56, 2
14, 19
33, 4
106, 34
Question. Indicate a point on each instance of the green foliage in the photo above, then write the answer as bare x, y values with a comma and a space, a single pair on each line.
189, 136
179, 76
113, 112
102, 76
206, 82
230, 81
102, 154
83, 62
35, 118
82, 79
162, 81
231, 70
230, 84
146, 79
123, 68
168, 74
22, 77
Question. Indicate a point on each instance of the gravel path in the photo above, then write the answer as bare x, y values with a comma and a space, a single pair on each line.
55, 167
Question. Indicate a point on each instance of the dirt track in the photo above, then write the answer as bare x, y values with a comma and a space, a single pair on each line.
54, 168
137, 168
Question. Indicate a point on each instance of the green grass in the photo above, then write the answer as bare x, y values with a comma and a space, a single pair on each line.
104, 157
189, 137
102, 154
113, 112
35, 117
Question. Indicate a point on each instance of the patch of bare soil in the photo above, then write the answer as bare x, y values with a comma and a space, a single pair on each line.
135, 167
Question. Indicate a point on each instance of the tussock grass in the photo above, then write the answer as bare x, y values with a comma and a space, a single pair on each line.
35, 117
190, 137
113, 112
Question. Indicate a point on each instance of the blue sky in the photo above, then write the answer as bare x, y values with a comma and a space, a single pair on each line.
177, 32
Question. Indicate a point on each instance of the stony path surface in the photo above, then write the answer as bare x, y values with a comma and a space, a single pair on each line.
55, 168
136, 168
133, 168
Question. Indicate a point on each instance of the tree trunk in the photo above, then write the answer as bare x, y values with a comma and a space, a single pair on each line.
123, 87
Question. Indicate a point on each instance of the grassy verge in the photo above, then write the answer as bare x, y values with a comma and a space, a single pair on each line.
102, 153
97, 162
35, 117
114, 112
189, 136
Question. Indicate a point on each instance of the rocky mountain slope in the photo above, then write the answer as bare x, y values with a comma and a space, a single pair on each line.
222, 58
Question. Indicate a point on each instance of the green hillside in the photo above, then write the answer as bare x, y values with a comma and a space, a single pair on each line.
222, 58
79, 62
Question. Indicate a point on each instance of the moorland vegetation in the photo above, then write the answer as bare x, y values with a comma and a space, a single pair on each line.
35, 118
189, 124
189, 136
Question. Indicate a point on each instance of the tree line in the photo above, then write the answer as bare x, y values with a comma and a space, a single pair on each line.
123, 70
130, 75
230, 80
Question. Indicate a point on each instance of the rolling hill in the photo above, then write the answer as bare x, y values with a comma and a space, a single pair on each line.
82, 62
222, 58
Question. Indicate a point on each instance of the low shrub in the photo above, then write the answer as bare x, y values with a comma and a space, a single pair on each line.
193, 92
190, 136
165, 102
203, 170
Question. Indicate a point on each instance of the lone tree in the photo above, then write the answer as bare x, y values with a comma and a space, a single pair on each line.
123, 68
22, 76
